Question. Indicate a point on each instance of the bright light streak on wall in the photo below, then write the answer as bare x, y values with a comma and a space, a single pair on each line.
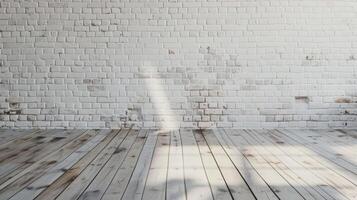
158, 96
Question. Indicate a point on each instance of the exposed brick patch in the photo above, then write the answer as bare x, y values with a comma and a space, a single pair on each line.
133, 118
343, 100
302, 99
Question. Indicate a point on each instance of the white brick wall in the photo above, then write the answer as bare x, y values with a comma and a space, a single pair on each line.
179, 63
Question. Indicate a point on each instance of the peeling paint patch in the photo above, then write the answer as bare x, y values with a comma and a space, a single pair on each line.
12, 112
171, 52
343, 100
352, 57
302, 99
309, 58
14, 105
133, 117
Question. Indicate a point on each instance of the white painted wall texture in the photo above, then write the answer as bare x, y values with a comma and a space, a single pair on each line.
178, 63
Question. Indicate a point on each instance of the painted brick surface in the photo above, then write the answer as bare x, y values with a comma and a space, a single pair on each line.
178, 63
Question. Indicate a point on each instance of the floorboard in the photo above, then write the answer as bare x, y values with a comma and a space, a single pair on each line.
183, 164
304, 181
155, 186
10, 135
175, 183
255, 181
123, 175
135, 188
218, 184
71, 175
196, 183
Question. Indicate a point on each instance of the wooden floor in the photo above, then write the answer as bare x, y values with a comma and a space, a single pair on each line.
147, 164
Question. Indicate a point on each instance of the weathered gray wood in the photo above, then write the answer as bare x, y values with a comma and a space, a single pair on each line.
269, 173
257, 184
14, 183
98, 186
217, 183
197, 186
26, 145
62, 182
343, 185
123, 175
175, 175
218, 164
15, 165
233, 178
82, 181
31, 150
306, 182
155, 186
331, 160
331, 141
10, 135
136, 185
35, 188
11, 150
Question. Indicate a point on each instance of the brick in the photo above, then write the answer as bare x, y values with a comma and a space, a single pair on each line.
208, 63
213, 112
206, 125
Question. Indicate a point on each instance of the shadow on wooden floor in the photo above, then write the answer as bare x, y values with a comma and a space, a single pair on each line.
179, 164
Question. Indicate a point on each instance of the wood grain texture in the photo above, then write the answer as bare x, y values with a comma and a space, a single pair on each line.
183, 164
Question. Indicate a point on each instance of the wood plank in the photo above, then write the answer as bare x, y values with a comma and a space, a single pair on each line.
308, 185
123, 175
328, 158
272, 164
35, 188
84, 179
135, 188
337, 143
98, 186
32, 150
175, 188
11, 150
328, 173
155, 187
218, 185
18, 181
340, 136
349, 142
62, 182
323, 150
348, 134
256, 183
196, 183
13, 166
267, 171
236, 184
10, 135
